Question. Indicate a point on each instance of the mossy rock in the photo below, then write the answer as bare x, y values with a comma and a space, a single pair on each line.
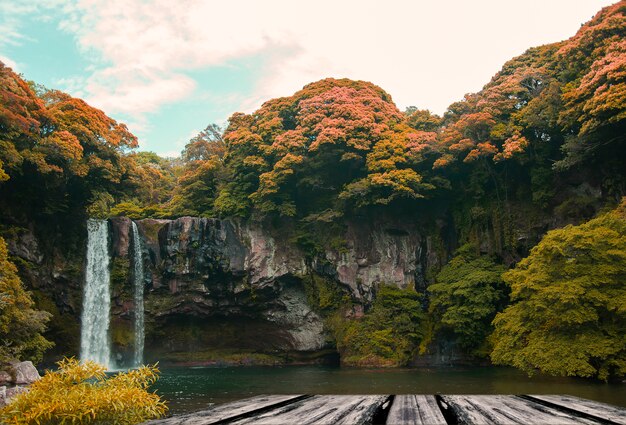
151, 229
323, 294
62, 329
122, 334
120, 277
222, 357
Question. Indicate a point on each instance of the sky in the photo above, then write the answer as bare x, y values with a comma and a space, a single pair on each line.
168, 68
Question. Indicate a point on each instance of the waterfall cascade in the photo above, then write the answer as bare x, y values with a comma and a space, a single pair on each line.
94, 338
138, 297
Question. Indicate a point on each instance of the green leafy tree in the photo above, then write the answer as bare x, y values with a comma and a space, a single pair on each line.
205, 145
197, 189
468, 293
202, 172
568, 312
21, 325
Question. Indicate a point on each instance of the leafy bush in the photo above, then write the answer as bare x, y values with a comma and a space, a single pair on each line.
466, 297
82, 393
387, 335
568, 315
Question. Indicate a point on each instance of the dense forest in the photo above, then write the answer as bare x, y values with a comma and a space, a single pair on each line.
520, 187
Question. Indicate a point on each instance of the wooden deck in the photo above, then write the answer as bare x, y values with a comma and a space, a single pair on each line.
405, 409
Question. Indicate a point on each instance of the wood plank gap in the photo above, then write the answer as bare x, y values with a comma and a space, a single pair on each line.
448, 413
382, 413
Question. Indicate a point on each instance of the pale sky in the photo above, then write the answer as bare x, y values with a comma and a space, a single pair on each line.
170, 67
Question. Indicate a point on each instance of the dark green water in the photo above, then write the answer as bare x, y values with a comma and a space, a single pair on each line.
190, 389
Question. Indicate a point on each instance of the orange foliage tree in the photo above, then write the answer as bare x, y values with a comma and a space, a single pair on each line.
334, 141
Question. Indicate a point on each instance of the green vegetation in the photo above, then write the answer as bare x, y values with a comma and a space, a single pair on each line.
324, 294
466, 296
387, 335
21, 325
82, 393
568, 311
237, 357
120, 272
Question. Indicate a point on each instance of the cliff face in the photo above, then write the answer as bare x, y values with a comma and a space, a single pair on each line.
226, 285
236, 291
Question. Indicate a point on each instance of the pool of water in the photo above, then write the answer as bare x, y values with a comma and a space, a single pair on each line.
190, 389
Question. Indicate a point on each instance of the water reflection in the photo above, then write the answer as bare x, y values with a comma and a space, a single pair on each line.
189, 389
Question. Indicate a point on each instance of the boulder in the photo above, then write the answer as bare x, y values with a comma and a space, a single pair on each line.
6, 394
25, 373
5, 378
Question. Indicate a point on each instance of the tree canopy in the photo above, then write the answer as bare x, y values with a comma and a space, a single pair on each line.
334, 144
568, 311
466, 295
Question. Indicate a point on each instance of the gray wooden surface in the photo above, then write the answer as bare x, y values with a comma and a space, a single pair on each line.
405, 410
409, 409
508, 409
605, 411
223, 412
323, 409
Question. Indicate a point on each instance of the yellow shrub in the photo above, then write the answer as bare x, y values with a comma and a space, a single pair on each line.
83, 394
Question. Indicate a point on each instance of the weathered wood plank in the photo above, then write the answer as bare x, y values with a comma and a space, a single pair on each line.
409, 409
596, 409
229, 411
322, 409
503, 409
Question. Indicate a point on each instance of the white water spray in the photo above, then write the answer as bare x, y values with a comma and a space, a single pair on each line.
138, 290
94, 334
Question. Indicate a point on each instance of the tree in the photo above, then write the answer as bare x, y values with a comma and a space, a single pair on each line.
82, 393
568, 311
197, 189
205, 145
422, 119
332, 145
468, 293
595, 111
197, 185
21, 325
59, 153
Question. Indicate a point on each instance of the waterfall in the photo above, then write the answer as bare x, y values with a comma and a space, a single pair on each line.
138, 291
94, 333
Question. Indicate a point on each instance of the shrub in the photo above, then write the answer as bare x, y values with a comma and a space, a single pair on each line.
81, 393
388, 334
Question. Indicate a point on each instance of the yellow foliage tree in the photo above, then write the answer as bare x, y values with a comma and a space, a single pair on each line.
81, 393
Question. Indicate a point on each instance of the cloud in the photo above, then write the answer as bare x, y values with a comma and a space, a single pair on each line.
135, 91
10, 63
427, 54
12, 15
423, 53
145, 48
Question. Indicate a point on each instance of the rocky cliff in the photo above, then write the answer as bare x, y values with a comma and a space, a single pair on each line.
215, 287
